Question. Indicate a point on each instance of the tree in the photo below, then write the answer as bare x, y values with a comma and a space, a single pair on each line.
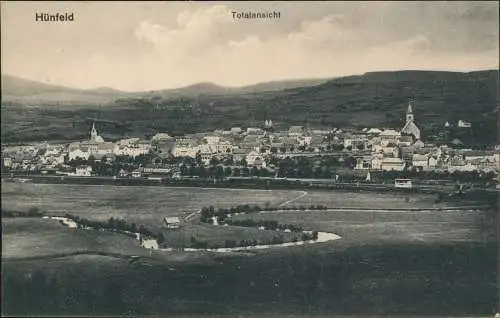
160, 238
245, 171
236, 172
198, 158
219, 172
33, 211
244, 162
254, 171
214, 161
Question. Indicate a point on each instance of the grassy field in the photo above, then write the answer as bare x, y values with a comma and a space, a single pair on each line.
412, 263
142, 205
370, 227
148, 206
36, 237
393, 280
367, 200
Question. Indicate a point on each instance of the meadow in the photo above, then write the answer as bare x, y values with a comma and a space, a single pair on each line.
142, 205
393, 263
149, 205
38, 238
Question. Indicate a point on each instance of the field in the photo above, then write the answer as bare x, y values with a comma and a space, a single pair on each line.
367, 200
388, 263
374, 227
36, 237
148, 206
142, 205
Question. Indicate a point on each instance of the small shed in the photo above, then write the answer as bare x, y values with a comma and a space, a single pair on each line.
172, 222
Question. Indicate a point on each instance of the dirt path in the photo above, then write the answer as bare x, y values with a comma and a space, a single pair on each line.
303, 194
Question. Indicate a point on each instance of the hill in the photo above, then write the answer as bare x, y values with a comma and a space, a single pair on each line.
33, 93
27, 92
373, 99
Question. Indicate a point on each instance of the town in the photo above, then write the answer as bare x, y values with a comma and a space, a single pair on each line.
299, 152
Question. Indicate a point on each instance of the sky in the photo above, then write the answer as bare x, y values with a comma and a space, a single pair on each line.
135, 46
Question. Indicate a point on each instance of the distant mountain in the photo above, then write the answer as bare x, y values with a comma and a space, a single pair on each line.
281, 85
191, 91
381, 98
375, 99
27, 91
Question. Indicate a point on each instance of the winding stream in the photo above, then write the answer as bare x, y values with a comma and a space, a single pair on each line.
153, 244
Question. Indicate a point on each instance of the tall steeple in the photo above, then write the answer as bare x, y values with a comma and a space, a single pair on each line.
409, 113
93, 133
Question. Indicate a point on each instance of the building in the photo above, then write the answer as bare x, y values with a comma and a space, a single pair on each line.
296, 131
78, 151
464, 124
172, 222
162, 137
395, 164
405, 141
254, 131
150, 244
388, 136
268, 124
403, 183
252, 157
410, 128
212, 140
376, 161
94, 136
481, 154
420, 161
83, 171
236, 130
373, 131
363, 163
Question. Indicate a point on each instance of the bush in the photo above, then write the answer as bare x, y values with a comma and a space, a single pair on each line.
315, 235
277, 240
34, 211
306, 237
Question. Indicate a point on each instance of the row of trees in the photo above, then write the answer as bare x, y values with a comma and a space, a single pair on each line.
32, 212
266, 224
207, 213
219, 172
461, 176
119, 225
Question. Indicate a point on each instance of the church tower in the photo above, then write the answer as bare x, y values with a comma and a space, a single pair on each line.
410, 127
409, 113
93, 133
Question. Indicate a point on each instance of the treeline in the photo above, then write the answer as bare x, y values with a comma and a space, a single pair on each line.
32, 212
223, 216
431, 176
268, 225
275, 240
207, 213
118, 225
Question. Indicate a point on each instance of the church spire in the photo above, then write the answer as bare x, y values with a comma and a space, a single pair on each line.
93, 133
409, 112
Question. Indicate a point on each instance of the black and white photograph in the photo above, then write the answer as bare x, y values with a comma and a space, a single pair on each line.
250, 159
